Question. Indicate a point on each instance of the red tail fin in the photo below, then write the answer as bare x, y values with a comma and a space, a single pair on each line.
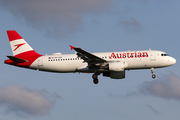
19, 46
24, 55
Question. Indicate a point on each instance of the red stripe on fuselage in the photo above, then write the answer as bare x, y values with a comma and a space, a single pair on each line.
30, 56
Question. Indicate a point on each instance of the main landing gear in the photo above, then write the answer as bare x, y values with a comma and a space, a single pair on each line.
153, 75
95, 78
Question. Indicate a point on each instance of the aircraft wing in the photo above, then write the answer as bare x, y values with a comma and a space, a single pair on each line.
88, 57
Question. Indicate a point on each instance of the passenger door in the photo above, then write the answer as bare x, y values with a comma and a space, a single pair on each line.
153, 56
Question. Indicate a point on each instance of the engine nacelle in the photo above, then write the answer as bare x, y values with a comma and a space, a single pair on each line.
115, 75
117, 66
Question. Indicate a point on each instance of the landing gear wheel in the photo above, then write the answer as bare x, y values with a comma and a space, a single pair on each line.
94, 76
96, 81
153, 76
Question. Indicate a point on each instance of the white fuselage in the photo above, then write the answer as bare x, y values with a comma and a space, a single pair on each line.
110, 64
134, 59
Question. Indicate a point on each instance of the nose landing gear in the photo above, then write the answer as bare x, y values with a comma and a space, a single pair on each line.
153, 75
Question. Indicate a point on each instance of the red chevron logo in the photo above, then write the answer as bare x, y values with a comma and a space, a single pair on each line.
18, 45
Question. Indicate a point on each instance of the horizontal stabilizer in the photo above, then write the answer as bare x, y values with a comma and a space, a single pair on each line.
15, 59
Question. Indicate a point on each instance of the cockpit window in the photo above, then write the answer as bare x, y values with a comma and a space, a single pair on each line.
164, 55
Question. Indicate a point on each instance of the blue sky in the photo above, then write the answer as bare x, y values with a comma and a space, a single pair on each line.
96, 26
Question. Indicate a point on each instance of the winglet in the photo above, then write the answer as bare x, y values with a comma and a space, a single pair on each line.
72, 47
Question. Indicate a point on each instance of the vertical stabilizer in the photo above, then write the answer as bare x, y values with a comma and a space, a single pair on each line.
19, 46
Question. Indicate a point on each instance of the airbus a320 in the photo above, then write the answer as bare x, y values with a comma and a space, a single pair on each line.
109, 64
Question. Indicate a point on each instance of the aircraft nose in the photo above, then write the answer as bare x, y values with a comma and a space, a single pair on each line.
172, 61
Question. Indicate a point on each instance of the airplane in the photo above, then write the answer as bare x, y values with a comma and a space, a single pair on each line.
109, 64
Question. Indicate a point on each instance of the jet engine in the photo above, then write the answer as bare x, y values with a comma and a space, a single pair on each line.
117, 66
116, 70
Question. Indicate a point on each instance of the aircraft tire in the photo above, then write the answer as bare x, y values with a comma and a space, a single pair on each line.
153, 76
94, 76
96, 81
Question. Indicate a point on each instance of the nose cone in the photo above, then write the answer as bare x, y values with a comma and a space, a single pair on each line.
172, 61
